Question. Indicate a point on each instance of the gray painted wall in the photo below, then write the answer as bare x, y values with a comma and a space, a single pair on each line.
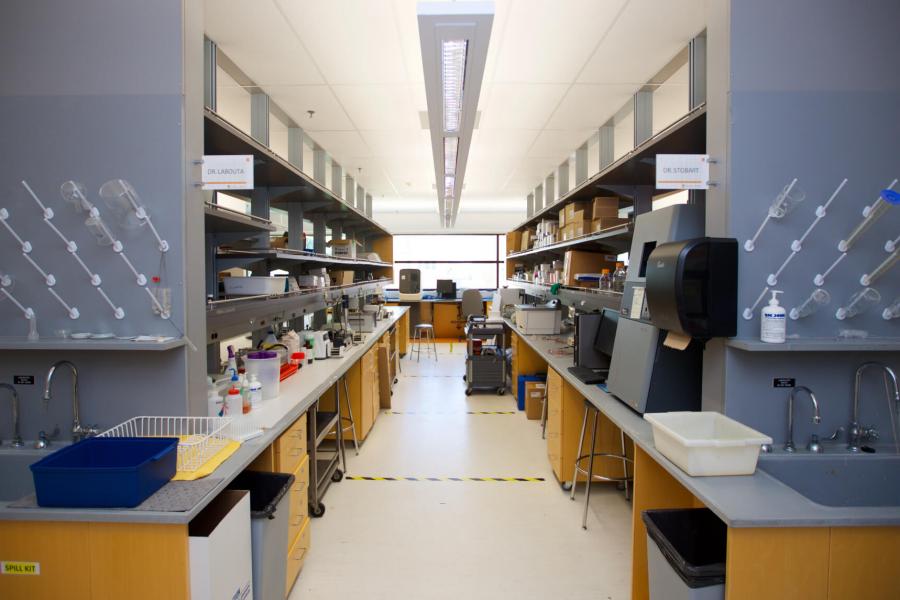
804, 89
92, 91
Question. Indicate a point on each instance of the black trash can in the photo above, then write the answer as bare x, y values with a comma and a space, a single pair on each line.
685, 554
269, 502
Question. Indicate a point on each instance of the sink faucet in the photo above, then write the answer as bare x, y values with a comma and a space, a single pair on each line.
857, 433
79, 432
789, 444
17, 438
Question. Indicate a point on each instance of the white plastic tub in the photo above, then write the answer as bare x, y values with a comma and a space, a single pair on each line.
706, 443
254, 286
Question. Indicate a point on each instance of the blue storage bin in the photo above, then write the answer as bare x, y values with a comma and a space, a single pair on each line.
105, 472
520, 390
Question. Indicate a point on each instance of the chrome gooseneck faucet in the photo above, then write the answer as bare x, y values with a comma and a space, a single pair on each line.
856, 432
79, 432
789, 444
17, 438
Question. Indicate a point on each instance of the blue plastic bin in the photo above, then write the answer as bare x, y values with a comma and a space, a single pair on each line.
520, 391
105, 472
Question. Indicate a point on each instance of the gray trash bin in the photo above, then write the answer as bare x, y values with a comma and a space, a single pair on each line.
685, 554
268, 529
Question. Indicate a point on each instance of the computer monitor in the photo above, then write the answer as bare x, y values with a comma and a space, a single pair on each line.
606, 332
446, 288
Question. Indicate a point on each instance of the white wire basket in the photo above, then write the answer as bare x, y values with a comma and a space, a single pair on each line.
200, 438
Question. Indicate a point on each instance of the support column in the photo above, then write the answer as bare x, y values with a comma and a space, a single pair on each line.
209, 73
562, 179
643, 199
319, 163
529, 204
337, 231
259, 207
369, 205
643, 117
539, 198
259, 117
549, 190
350, 190
607, 145
295, 226
319, 234
581, 164
295, 147
360, 198
337, 179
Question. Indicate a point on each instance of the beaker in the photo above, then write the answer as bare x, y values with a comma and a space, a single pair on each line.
787, 200
819, 298
75, 193
101, 233
124, 203
859, 302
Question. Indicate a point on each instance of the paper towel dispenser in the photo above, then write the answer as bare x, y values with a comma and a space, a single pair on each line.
692, 287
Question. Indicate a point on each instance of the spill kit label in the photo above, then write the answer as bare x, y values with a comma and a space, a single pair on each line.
9, 567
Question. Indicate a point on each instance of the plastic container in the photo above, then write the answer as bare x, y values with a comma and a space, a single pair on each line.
105, 472
266, 365
685, 554
539, 320
706, 443
269, 501
254, 286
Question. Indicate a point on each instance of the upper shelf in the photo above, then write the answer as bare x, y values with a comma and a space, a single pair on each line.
638, 167
285, 255
23, 343
617, 239
818, 345
584, 299
273, 171
219, 219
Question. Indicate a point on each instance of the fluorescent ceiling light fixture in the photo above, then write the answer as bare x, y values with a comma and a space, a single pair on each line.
454, 37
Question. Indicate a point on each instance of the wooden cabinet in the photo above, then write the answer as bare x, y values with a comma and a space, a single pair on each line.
362, 384
297, 555
448, 322
565, 413
525, 361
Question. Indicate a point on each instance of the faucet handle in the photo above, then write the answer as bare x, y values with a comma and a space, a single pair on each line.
814, 445
43, 441
834, 436
869, 434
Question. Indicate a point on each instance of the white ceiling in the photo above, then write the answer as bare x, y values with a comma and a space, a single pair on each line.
556, 70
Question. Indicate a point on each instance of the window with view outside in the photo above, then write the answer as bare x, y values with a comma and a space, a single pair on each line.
472, 261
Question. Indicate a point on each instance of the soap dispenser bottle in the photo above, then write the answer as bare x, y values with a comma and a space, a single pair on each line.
773, 324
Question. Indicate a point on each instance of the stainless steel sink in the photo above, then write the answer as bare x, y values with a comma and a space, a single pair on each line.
839, 479
15, 476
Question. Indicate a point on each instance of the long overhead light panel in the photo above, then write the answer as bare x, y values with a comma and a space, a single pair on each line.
454, 38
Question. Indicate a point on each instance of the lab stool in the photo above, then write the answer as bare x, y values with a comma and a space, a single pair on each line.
589, 472
351, 423
423, 332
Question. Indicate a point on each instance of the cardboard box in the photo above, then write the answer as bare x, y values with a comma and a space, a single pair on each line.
606, 223
527, 239
579, 229
580, 261
278, 241
534, 398
605, 207
343, 248
562, 218
580, 216
513, 241
341, 277
574, 207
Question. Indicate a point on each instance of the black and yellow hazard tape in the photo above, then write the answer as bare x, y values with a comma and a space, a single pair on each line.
482, 479
468, 412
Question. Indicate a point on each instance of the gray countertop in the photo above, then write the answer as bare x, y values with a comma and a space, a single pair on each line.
297, 394
757, 500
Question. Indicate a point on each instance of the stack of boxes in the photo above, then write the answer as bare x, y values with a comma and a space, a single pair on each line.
583, 218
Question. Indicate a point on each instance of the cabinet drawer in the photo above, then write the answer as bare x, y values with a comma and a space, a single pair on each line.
299, 501
297, 555
290, 447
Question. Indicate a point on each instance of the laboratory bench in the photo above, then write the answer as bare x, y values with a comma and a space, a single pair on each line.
113, 553
780, 544
445, 314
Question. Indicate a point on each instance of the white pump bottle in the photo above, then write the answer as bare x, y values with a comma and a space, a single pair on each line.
773, 323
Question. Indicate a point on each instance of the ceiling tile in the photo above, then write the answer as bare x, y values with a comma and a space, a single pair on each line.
403, 144
255, 36
379, 107
352, 41
557, 144
296, 100
341, 145
547, 42
590, 106
520, 106
646, 37
500, 143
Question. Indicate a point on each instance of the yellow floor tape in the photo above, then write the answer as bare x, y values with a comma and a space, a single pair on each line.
209, 466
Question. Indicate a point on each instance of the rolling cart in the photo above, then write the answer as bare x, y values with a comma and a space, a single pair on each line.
485, 356
323, 470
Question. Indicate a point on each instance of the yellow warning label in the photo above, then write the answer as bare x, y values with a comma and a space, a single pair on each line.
20, 568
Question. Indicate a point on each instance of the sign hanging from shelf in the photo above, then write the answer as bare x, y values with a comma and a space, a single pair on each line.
682, 171
228, 172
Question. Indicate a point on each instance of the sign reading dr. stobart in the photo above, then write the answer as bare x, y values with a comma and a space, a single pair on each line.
228, 172
682, 171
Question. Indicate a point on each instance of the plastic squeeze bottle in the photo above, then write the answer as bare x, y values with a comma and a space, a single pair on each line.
772, 322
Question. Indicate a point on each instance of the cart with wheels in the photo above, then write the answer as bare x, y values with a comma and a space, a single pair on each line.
485, 356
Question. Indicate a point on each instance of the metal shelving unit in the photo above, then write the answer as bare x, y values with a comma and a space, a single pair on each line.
617, 239
114, 345
276, 256
585, 299
218, 219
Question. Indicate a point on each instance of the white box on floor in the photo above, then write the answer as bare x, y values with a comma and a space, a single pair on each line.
219, 549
